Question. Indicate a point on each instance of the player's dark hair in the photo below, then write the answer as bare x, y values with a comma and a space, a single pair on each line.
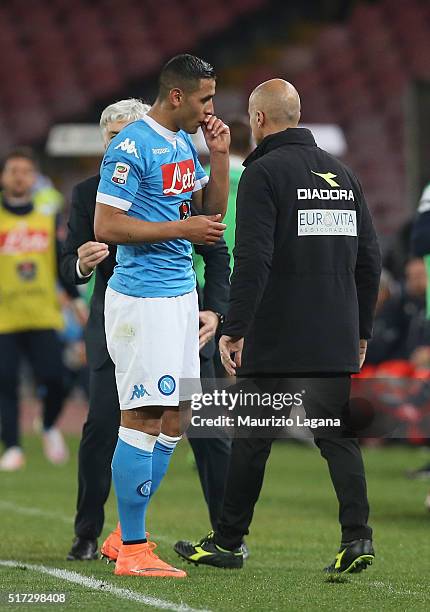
184, 72
20, 153
240, 133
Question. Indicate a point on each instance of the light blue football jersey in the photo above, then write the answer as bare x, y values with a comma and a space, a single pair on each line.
152, 172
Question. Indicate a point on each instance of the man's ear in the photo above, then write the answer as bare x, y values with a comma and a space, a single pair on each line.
175, 96
260, 119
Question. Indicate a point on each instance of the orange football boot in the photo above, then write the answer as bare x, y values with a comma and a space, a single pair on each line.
110, 547
140, 560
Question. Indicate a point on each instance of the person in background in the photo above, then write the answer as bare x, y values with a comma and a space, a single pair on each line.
420, 237
30, 314
46, 197
240, 148
420, 247
401, 328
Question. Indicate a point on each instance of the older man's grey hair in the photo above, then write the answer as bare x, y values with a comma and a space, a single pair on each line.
130, 110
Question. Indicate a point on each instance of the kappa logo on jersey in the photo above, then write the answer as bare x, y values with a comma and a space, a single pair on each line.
120, 174
178, 177
128, 146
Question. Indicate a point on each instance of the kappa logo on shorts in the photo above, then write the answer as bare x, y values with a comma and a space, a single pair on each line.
144, 489
166, 385
139, 391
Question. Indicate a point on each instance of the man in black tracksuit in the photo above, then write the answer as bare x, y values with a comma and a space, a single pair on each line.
303, 293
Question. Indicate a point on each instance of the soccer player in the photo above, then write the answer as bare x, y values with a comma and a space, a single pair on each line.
149, 177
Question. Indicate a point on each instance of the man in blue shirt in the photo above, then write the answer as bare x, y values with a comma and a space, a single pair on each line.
150, 175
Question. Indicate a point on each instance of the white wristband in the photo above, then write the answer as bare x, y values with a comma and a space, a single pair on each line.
79, 273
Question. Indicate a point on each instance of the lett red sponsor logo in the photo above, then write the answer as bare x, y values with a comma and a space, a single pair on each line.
178, 177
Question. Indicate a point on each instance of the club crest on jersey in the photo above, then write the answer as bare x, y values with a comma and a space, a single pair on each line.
120, 174
128, 146
179, 177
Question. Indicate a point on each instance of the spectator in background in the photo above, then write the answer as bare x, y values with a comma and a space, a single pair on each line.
420, 247
401, 331
420, 236
398, 254
387, 290
30, 314
45, 197
240, 148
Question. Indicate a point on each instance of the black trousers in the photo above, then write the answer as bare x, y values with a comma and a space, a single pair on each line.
99, 438
325, 397
43, 350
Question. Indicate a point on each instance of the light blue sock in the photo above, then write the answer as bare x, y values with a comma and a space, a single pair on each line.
132, 476
161, 456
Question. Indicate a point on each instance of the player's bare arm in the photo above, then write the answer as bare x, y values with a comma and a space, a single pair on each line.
113, 225
213, 198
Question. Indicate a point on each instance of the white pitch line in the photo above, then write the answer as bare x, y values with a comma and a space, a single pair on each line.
395, 591
100, 585
45, 514
35, 512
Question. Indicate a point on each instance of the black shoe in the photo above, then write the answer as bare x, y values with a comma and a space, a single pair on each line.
353, 557
419, 474
206, 552
83, 550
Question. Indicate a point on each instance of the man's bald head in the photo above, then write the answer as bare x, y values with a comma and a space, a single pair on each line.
273, 106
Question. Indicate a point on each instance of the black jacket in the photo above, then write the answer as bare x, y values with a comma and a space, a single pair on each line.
81, 229
301, 297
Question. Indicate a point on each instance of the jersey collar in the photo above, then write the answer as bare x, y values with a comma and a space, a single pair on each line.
160, 129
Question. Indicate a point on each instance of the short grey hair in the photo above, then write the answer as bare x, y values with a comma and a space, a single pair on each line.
131, 109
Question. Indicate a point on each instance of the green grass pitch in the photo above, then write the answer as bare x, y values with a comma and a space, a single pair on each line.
294, 534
